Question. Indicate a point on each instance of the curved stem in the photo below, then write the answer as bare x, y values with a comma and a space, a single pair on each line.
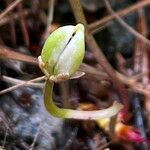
76, 114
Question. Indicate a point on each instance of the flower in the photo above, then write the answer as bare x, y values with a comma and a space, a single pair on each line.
122, 132
128, 133
63, 52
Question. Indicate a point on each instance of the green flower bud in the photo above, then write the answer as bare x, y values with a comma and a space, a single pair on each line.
63, 52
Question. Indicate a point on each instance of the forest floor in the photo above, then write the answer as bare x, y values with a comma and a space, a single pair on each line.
116, 66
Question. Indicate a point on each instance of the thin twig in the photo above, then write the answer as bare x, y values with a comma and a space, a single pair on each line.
64, 88
135, 86
23, 24
145, 67
13, 16
49, 19
137, 56
17, 81
50, 13
49, 136
141, 65
13, 32
121, 62
97, 25
139, 45
6, 52
20, 85
126, 26
131, 82
91, 70
145, 78
35, 137
97, 52
12, 29
71, 138
9, 8
145, 62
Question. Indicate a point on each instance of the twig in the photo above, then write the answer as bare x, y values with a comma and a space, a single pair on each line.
91, 70
135, 86
145, 62
6, 122
17, 81
49, 18
23, 144
126, 26
20, 85
71, 138
13, 16
13, 32
141, 65
35, 137
137, 56
9, 8
145, 78
12, 28
23, 25
97, 52
145, 67
139, 45
97, 25
6, 52
51, 13
121, 62
64, 88
49, 136
131, 82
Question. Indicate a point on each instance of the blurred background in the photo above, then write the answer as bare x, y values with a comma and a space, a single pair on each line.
116, 67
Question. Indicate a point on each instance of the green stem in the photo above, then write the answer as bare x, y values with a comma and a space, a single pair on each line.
48, 101
76, 114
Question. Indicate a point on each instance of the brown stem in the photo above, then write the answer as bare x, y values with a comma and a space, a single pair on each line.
141, 65
97, 25
121, 62
21, 84
131, 82
6, 52
145, 61
13, 32
23, 24
49, 19
17, 81
12, 28
126, 26
13, 16
100, 57
9, 8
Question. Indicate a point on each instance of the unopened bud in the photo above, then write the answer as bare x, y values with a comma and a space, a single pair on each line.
63, 52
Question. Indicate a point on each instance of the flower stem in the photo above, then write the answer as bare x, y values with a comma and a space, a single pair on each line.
76, 114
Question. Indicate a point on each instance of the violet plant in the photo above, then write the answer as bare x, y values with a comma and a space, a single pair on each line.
61, 56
